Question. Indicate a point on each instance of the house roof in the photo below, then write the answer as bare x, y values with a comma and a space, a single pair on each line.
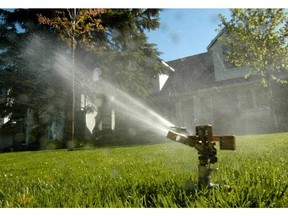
194, 73
215, 39
191, 73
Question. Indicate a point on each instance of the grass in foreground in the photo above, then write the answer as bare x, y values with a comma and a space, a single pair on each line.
161, 175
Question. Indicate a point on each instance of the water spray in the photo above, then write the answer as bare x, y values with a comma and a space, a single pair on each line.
203, 143
121, 101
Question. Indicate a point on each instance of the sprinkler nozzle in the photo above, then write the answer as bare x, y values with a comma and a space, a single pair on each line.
182, 130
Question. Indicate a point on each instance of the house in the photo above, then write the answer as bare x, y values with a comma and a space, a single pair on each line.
201, 89
95, 119
205, 89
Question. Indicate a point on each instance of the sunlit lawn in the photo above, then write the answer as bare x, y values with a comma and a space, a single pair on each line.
160, 175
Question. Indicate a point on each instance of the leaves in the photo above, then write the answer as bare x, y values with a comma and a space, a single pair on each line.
75, 24
110, 39
257, 38
113, 40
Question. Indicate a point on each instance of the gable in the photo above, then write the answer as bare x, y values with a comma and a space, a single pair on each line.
223, 69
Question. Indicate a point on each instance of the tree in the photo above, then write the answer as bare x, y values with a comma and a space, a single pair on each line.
257, 39
75, 27
120, 48
113, 40
134, 60
27, 79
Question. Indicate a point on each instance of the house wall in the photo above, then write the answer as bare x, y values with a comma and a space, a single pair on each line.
241, 109
232, 104
258, 109
101, 116
233, 109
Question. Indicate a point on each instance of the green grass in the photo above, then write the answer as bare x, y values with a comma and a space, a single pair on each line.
161, 175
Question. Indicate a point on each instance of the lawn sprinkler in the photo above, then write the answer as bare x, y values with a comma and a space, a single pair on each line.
203, 143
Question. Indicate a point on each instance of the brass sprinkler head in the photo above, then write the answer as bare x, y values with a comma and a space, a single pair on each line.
204, 143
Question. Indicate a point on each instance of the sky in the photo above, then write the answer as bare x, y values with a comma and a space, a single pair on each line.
186, 27
185, 32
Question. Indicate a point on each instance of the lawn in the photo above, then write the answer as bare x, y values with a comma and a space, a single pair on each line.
159, 175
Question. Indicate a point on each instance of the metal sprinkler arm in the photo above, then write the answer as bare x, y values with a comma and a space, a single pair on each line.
187, 140
227, 142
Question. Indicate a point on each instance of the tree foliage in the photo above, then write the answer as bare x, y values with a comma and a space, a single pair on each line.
111, 39
257, 38
75, 26
135, 61
27, 81
25, 73
114, 40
